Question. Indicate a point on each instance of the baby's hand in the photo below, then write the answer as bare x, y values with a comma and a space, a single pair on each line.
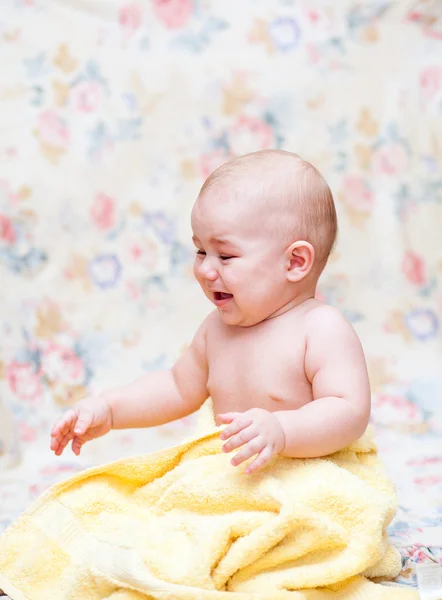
258, 430
89, 419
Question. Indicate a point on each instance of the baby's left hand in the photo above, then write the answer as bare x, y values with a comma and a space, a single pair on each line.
258, 430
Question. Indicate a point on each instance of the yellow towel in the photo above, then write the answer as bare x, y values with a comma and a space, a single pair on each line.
183, 524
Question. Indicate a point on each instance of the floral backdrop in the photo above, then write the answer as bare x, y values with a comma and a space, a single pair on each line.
113, 113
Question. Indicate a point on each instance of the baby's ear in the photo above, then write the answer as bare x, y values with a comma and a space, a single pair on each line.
300, 259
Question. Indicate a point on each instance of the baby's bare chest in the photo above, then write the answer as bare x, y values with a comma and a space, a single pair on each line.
257, 367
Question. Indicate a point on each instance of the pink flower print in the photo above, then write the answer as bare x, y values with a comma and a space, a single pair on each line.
24, 380
211, 161
432, 32
52, 130
143, 256
53, 470
173, 13
428, 481
426, 460
103, 211
26, 432
136, 251
415, 15
130, 18
431, 82
313, 52
356, 193
413, 267
416, 553
133, 290
7, 232
87, 96
11, 151
61, 365
391, 159
249, 134
390, 410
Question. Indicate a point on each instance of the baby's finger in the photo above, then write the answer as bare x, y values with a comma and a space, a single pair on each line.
76, 445
226, 418
63, 442
54, 443
83, 423
79, 440
241, 438
252, 448
235, 427
260, 461
64, 423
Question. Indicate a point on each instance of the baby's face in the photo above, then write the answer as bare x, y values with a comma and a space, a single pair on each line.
239, 265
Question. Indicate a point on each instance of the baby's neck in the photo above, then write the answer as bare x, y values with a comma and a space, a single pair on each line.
294, 303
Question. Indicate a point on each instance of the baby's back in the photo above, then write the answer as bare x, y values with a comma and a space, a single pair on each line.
260, 366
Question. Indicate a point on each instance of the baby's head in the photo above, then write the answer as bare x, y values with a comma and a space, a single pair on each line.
264, 225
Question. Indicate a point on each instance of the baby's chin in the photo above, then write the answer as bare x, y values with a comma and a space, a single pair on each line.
236, 320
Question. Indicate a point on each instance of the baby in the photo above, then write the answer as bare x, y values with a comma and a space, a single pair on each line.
286, 373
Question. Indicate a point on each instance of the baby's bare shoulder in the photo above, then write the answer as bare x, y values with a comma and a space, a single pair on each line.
326, 319
204, 331
329, 331
330, 337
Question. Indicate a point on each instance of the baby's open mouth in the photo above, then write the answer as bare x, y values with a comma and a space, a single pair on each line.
221, 297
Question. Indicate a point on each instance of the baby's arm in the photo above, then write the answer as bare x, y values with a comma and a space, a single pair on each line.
153, 399
335, 365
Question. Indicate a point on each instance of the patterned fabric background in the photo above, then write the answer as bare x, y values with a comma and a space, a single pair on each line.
112, 114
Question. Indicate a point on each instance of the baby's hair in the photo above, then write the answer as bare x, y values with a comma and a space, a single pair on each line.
284, 181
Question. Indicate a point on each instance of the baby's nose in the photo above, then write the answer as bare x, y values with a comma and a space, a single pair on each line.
207, 270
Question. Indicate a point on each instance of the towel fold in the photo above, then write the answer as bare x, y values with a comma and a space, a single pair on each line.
183, 524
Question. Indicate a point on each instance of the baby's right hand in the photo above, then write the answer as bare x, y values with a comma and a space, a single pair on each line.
89, 419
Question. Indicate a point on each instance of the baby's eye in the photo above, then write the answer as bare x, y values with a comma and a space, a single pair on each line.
201, 252
226, 257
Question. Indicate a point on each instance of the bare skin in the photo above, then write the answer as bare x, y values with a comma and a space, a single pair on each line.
286, 374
